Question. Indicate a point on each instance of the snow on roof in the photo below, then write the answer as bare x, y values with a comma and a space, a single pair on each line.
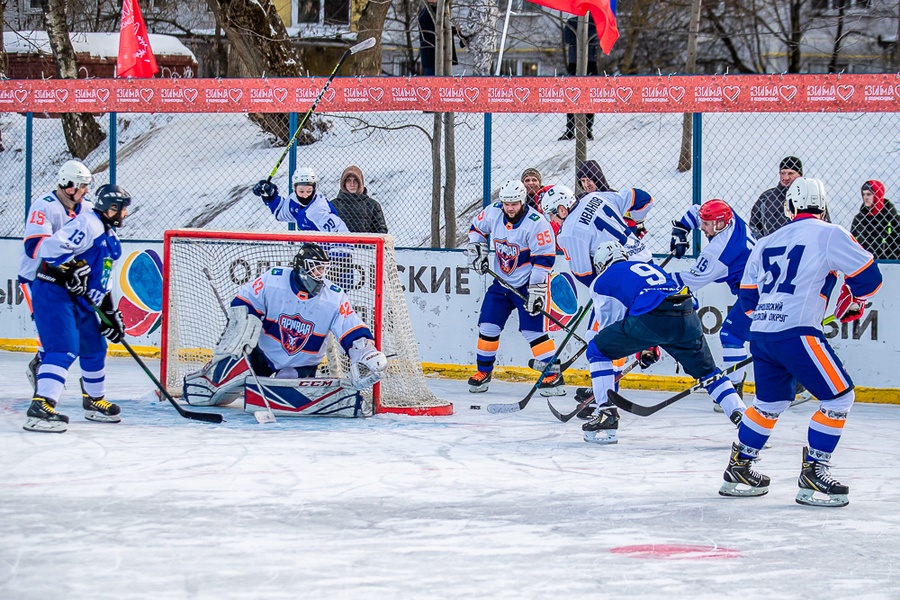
103, 45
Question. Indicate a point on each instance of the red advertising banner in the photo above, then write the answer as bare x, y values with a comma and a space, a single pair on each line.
702, 93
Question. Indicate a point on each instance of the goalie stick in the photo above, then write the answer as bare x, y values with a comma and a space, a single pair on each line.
187, 414
646, 411
565, 418
517, 406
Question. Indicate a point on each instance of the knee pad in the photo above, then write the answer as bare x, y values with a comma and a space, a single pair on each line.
840, 404
489, 330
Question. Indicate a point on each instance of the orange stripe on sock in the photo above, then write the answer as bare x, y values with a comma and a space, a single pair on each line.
825, 360
488, 346
619, 362
760, 420
820, 417
545, 347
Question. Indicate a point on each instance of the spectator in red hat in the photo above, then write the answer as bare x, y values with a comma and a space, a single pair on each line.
876, 224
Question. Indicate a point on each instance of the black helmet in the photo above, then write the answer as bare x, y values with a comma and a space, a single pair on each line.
309, 267
111, 197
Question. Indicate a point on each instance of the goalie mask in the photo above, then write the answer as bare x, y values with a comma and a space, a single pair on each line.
309, 268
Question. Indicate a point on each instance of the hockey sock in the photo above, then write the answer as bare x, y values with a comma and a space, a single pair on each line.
603, 374
618, 367
757, 426
94, 383
487, 351
722, 392
827, 424
732, 356
542, 347
51, 379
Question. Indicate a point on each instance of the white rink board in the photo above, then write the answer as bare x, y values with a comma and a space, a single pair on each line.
444, 298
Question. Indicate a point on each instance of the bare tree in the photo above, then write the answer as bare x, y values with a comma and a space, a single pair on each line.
478, 24
83, 134
685, 157
838, 37
370, 25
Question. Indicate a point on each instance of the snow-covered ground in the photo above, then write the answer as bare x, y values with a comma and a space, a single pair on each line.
468, 506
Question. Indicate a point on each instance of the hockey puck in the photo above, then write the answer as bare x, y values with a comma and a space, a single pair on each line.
474, 407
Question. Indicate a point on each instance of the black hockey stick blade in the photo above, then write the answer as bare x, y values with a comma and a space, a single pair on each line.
645, 411
566, 417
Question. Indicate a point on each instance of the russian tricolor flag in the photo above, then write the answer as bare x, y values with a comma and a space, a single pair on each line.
603, 12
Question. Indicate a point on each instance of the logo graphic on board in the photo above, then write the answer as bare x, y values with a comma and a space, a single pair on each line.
141, 283
563, 300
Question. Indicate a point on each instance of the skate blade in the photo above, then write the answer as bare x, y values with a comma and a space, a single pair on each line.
554, 391
99, 417
808, 497
731, 490
607, 440
477, 389
44, 426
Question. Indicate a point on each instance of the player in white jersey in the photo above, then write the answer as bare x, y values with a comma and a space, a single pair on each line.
524, 253
722, 260
310, 211
76, 261
786, 285
46, 217
283, 317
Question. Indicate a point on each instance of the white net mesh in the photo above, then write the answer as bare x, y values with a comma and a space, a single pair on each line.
206, 269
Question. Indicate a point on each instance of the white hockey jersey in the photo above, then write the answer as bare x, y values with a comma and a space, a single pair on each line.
295, 327
318, 215
597, 218
46, 217
525, 252
791, 273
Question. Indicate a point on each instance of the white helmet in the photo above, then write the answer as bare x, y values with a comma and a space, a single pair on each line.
73, 173
513, 191
805, 195
558, 195
304, 176
608, 253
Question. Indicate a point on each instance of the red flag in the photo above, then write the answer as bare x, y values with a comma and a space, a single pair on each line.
603, 12
135, 55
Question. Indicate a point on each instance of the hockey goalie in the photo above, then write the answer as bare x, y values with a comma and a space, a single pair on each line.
278, 325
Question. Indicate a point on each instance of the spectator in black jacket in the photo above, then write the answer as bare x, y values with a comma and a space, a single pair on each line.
876, 225
353, 205
767, 213
591, 178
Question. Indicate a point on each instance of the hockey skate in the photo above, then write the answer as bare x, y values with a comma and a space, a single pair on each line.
582, 394
740, 472
42, 417
553, 382
603, 427
479, 382
31, 371
803, 395
99, 409
816, 477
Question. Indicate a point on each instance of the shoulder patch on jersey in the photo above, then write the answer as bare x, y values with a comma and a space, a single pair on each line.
535, 217
335, 288
497, 205
48, 199
277, 271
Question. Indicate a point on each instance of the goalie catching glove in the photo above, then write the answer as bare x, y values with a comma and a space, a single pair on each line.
537, 292
367, 363
112, 327
847, 307
477, 253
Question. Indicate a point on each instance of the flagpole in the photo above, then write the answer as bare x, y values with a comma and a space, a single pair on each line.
503, 37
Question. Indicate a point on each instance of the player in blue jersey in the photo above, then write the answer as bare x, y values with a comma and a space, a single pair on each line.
76, 262
638, 306
310, 210
722, 260
525, 250
283, 318
45, 217
786, 285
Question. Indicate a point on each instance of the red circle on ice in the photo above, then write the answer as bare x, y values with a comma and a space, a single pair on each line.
676, 552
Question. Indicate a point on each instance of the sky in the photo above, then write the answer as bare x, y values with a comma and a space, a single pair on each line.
472, 505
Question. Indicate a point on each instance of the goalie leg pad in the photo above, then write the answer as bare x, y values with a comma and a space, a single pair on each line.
240, 335
306, 397
221, 381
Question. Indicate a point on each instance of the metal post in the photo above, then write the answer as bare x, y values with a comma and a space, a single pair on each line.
112, 148
293, 122
29, 155
486, 178
697, 177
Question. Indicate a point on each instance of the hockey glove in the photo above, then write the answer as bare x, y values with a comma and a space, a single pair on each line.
367, 364
537, 292
679, 243
477, 253
647, 357
77, 273
266, 190
115, 330
847, 307
636, 227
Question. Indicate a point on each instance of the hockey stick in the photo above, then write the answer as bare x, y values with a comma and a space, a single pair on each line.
646, 411
565, 418
187, 414
517, 406
363, 45
553, 319
262, 416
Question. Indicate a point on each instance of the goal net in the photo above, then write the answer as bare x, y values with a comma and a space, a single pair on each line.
204, 270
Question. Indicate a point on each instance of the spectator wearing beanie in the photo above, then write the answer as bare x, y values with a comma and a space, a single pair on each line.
876, 225
591, 178
361, 213
531, 179
768, 212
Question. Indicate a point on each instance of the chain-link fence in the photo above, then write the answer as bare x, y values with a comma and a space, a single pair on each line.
197, 170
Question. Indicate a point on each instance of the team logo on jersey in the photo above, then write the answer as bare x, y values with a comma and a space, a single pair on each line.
507, 256
294, 332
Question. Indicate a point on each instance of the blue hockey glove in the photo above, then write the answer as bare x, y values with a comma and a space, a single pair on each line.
679, 243
266, 190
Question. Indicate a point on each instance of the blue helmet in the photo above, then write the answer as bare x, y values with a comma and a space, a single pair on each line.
111, 197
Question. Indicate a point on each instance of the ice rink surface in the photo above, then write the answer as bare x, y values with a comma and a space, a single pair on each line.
468, 506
